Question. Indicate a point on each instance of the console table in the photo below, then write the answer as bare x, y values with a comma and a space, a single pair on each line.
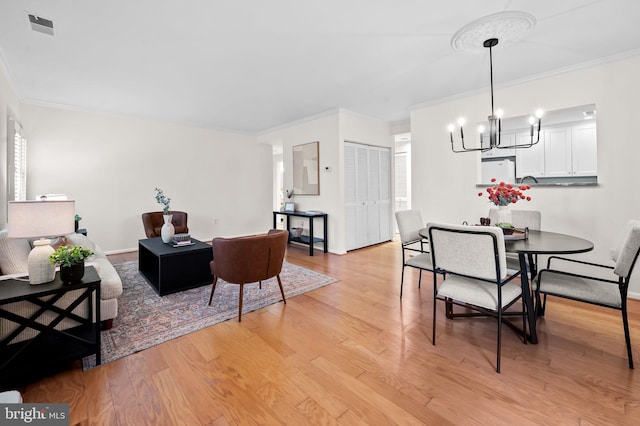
27, 360
310, 239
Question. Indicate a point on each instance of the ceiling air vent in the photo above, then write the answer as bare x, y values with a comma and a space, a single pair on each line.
41, 25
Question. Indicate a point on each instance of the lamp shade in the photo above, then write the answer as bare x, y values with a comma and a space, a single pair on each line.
34, 219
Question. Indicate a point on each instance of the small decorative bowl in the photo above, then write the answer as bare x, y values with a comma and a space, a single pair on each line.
295, 232
508, 231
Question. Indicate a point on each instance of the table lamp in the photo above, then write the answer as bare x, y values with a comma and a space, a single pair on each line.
40, 219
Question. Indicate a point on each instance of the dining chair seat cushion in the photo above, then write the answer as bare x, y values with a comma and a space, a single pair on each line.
593, 291
420, 261
478, 292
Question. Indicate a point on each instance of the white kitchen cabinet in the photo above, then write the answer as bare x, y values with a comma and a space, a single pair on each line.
584, 151
529, 161
367, 195
557, 152
563, 151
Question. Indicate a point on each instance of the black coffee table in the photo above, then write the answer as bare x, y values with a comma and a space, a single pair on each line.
170, 269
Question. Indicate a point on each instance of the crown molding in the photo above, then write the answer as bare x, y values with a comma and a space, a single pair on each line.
577, 67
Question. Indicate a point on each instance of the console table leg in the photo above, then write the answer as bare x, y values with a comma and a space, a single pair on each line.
310, 236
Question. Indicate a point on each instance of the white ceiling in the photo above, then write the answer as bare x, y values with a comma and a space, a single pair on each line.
251, 65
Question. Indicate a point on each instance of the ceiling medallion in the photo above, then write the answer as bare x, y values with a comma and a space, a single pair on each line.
508, 27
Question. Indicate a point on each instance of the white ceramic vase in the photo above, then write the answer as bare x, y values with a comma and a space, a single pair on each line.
167, 231
504, 215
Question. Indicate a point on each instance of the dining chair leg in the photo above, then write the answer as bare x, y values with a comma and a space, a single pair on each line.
260, 285
499, 340
401, 281
435, 293
627, 338
240, 303
420, 279
281, 290
213, 288
524, 322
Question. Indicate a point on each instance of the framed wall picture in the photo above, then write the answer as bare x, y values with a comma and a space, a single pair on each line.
289, 206
306, 171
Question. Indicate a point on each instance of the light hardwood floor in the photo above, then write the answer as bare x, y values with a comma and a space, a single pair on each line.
354, 353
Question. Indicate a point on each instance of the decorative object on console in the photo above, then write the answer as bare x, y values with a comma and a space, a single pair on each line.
71, 261
510, 26
296, 232
289, 207
39, 219
77, 220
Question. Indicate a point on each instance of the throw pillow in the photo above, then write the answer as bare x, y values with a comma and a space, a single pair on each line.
59, 242
81, 240
14, 253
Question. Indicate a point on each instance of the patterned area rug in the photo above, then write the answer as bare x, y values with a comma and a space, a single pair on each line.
146, 319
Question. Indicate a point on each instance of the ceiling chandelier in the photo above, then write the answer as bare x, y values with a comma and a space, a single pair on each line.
495, 121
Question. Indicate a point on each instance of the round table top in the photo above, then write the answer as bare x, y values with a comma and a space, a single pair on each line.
543, 242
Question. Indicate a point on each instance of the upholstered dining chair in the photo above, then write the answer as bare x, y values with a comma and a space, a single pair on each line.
153, 221
520, 219
249, 259
474, 263
415, 253
605, 285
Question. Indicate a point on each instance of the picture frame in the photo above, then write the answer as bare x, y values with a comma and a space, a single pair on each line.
306, 169
289, 206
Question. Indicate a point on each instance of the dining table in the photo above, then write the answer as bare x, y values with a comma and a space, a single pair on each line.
528, 247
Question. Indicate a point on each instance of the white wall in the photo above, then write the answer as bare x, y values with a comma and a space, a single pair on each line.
331, 130
444, 183
9, 105
323, 129
111, 164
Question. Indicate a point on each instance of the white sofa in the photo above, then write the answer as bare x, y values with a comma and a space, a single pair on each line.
13, 260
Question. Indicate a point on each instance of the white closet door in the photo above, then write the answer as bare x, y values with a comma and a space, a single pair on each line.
367, 195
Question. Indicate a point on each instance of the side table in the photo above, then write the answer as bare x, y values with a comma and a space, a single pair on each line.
27, 360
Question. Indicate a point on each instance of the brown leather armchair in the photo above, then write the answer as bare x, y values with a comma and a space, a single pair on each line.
153, 222
249, 259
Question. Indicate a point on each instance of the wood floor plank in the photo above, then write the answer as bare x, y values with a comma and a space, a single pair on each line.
354, 353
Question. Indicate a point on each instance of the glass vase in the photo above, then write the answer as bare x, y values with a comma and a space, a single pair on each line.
504, 215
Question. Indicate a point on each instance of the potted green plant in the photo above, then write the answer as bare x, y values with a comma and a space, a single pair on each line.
71, 261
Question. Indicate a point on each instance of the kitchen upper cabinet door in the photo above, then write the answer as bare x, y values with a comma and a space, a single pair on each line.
584, 150
557, 152
530, 161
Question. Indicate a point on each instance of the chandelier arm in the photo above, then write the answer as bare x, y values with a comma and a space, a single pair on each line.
465, 149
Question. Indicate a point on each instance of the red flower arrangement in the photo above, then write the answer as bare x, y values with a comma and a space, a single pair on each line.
504, 194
